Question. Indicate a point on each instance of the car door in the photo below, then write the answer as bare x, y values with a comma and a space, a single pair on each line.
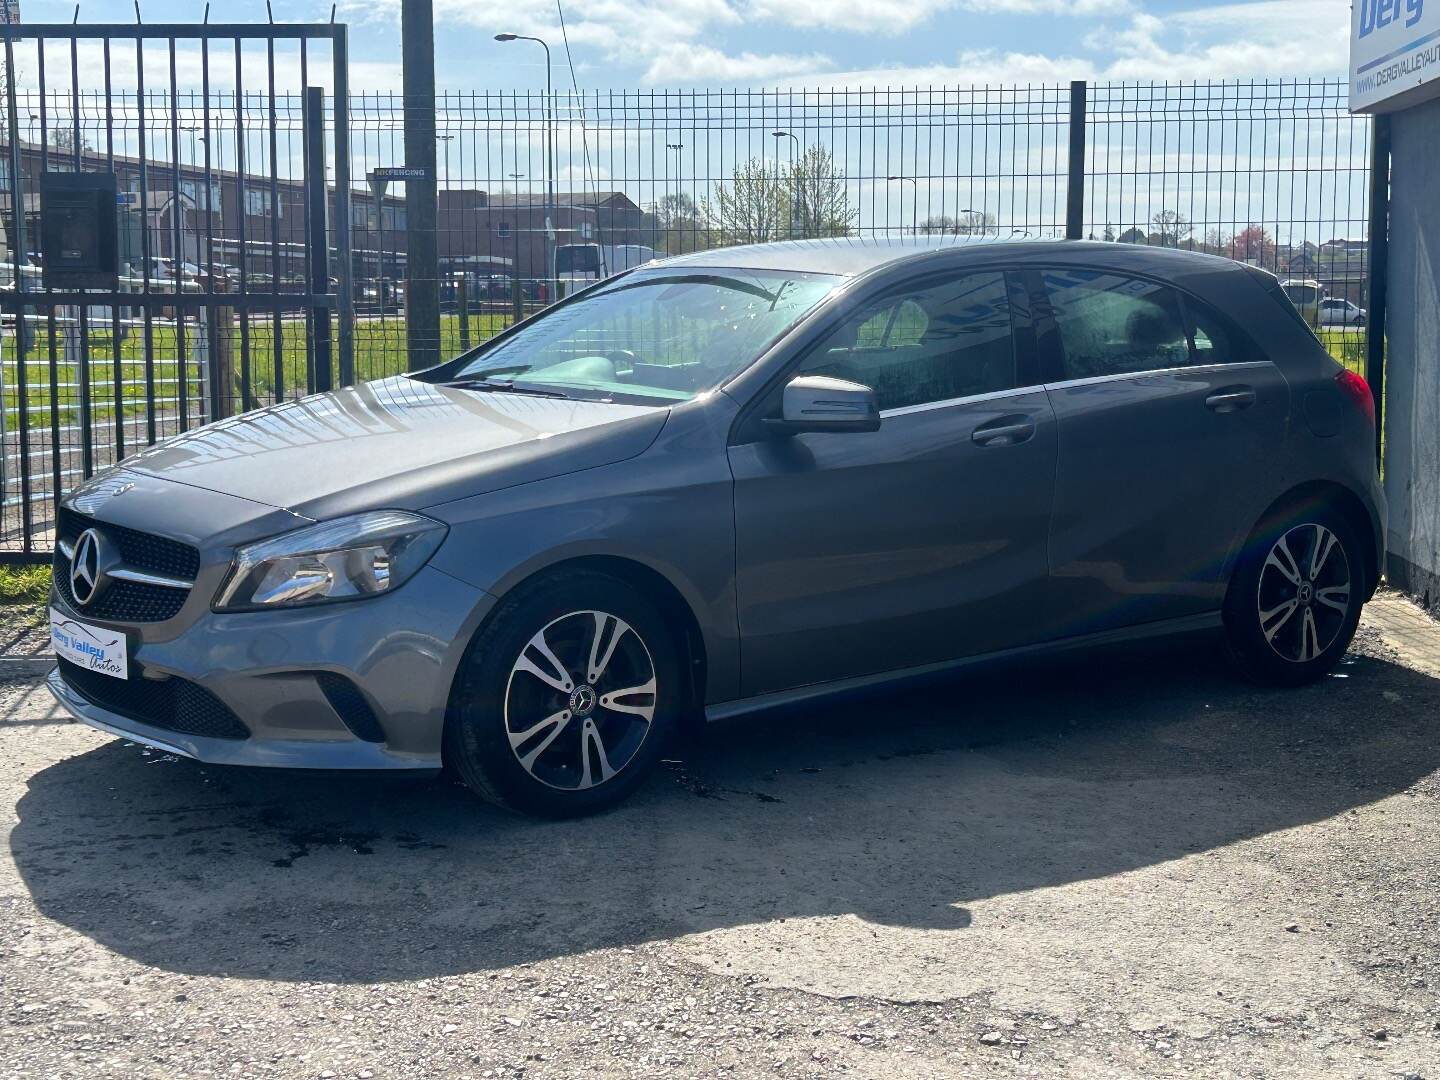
924, 541
1170, 429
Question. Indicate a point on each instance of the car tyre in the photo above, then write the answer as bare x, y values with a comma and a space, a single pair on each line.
1294, 599
566, 697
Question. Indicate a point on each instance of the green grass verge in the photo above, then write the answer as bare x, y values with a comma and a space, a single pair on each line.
23, 592
24, 584
379, 351
1346, 346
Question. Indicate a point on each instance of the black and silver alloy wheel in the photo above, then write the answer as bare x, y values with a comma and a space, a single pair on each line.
1294, 598
580, 700
1304, 593
567, 695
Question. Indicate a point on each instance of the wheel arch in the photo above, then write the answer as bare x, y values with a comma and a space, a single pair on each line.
677, 612
1328, 493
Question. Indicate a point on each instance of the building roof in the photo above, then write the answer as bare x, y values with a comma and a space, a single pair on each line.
562, 198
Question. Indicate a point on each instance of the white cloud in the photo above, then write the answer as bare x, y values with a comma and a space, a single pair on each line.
866, 16
622, 30
893, 17
1047, 7
684, 41
1257, 39
1268, 37
701, 64
975, 68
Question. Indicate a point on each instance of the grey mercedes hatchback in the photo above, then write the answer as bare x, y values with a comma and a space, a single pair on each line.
726, 481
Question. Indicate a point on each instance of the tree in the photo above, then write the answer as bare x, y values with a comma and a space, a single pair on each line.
754, 208
1253, 244
1171, 228
969, 222
1215, 243
1133, 236
678, 225
818, 196
63, 138
806, 200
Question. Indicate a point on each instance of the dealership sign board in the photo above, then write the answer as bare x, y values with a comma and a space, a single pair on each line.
1394, 53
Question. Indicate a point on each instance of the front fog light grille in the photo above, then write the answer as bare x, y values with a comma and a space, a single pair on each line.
351, 706
173, 704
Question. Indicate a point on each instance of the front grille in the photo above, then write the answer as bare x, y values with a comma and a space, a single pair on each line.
138, 550
174, 704
351, 706
128, 601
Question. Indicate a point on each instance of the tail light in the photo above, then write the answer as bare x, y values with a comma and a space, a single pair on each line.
1358, 391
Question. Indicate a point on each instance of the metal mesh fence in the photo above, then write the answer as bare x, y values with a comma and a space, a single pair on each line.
540, 194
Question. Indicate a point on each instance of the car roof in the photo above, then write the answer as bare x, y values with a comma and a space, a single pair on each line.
850, 256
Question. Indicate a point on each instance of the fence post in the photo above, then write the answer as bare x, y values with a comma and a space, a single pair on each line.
462, 303
319, 235
220, 356
422, 256
1075, 185
1378, 270
344, 256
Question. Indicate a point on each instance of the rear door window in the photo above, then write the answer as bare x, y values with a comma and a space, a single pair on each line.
1110, 324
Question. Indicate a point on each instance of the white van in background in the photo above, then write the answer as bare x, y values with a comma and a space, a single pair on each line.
577, 265
1305, 294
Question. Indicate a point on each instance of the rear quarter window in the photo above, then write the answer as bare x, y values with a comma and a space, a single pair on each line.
1216, 339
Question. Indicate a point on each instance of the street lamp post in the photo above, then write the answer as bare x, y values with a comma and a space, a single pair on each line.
675, 206
914, 201
794, 180
447, 140
549, 155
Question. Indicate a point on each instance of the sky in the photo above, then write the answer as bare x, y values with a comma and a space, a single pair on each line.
1300, 172
625, 44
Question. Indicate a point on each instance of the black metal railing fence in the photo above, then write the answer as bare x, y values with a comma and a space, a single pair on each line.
538, 193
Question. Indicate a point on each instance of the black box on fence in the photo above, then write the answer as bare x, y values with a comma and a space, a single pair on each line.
78, 230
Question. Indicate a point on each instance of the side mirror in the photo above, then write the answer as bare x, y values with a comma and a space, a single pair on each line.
820, 403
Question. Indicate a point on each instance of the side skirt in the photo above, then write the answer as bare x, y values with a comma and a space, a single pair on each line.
725, 710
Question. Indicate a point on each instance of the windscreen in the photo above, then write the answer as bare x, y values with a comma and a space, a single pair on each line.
657, 335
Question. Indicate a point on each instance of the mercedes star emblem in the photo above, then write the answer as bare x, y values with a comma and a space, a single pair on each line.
86, 572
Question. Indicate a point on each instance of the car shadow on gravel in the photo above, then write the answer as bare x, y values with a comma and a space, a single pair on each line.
901, 809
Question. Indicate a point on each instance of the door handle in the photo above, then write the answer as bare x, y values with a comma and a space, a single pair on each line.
1231, 399
1006, 431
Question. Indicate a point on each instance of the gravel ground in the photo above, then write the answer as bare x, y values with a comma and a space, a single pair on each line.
1126, 865
24, 629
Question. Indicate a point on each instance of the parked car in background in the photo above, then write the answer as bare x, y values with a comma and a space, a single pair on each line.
731, 480
1335, 311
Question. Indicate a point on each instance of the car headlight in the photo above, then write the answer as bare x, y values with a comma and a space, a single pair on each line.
345, 559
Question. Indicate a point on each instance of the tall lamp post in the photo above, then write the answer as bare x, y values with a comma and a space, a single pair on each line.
447, 140
914, 201
676, 147
549, 155
794, 152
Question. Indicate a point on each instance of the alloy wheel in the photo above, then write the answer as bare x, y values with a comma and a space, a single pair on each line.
580, 700
1303, 599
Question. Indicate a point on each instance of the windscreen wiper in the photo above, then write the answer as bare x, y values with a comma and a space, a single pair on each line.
505, 387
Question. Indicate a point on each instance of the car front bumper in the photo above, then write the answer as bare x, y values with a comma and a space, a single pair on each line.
400, 652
